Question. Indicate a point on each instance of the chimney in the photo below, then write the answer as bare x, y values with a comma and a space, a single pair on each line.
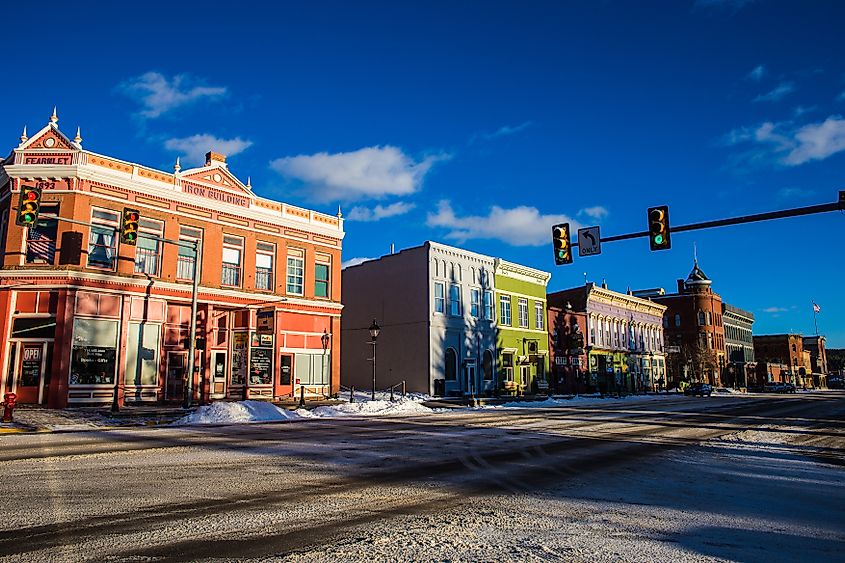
212, 158
680, 285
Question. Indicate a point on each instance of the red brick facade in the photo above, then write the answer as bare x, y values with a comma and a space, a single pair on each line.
128, 308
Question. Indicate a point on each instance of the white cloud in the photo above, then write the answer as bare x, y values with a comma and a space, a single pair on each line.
818, 141
786, 145
506, 130
792, 192
774, 310
367, 173
778, 93
757, 73
520, 226
379, 212
158, 95
193, 148
597, 212
354, 262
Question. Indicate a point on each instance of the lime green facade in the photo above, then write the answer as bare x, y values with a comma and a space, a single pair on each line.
522, 340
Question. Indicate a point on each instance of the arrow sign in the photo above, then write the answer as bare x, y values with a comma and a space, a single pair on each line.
589, 241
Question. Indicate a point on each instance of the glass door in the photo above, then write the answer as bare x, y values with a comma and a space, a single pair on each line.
30, 372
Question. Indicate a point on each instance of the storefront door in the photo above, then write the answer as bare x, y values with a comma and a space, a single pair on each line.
176, 373
218, 374
30, 371
283, 386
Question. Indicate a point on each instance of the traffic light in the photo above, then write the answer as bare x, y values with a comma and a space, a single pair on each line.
29, 205
563, 248
658, 228
129, 227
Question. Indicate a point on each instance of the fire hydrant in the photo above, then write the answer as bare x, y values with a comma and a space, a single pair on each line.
8, 406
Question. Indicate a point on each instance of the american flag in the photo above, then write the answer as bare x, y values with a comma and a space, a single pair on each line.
40, 246
816, 308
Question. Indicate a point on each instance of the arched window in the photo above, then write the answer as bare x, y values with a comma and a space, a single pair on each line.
451, 365
701, 318
487, 365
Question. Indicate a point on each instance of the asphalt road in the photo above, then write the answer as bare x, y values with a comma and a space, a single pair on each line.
493, 484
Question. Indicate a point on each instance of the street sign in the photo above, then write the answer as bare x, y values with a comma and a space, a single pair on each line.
589, 241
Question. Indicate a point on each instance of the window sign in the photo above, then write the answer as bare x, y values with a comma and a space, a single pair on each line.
240, 349
94, 353
261, 360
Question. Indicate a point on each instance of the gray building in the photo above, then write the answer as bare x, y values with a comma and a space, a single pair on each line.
434, 304
739, 346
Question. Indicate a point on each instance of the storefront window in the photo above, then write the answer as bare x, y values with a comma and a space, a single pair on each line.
142, 347
94, 354
309, 369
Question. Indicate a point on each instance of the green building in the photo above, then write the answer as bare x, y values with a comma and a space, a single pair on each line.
523, 340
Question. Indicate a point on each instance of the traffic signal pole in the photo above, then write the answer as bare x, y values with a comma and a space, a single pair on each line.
795, 212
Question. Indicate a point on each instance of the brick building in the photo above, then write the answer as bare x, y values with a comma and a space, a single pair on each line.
694, 329
739, 346
623, 339
87, 317
568, 348
799, 365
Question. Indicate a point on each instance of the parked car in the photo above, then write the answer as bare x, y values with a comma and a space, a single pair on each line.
788, 388
700, 389
836, 383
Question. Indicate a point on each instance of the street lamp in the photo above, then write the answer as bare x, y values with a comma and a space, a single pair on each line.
325, 341
374, 330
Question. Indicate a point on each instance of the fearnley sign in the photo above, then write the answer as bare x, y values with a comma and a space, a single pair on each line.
216, 195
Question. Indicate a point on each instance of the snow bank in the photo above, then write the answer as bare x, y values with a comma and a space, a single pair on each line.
402, 407
236, 413
590, 399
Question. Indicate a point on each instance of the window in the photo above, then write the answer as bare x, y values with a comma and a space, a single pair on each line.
507, 367
148, 249
451, 367
102, 241
455, 300
710, 340
701, 318
592, 330
488, 305
523, 312
439, 297
142, 346
322, 271
505, 310
264, 254
539, 317
93, 358
296, 271
475, 297
232, 254
41, 237
677, 320
187, 259
708, 318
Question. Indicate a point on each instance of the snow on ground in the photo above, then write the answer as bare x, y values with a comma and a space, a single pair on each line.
236, 413
578, 400
404, 407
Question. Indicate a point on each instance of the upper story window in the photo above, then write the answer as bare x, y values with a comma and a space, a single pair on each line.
523, 312
592, 330
264, 257
148, 248
296, 271
439, 297
233, 250
677, 320
505, 310
102, 243
701, 318
488, 304
322, 273
708, 318
187, 259
474, 302
41, 238
539, 317
455, 300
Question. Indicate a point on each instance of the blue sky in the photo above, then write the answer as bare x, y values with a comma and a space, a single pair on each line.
481, 123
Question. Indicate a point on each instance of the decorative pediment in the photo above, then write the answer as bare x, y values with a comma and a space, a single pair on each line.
49, 138
217, 176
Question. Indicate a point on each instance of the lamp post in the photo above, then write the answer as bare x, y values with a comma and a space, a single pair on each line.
325, 341
374, 330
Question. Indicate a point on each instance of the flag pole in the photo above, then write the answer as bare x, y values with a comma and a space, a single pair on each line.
815, 322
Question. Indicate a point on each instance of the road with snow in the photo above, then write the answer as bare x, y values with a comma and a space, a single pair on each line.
745, 478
